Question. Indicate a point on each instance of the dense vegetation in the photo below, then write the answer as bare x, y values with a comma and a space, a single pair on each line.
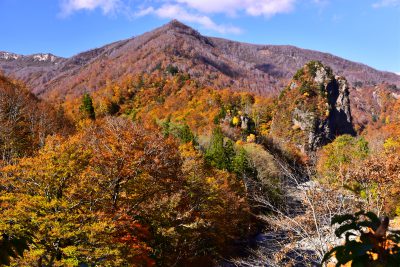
126, 189
160, 170
25, 121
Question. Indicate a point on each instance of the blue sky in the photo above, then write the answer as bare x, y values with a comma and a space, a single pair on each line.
366, 31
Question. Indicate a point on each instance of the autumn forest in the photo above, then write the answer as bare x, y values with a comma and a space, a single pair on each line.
161, 168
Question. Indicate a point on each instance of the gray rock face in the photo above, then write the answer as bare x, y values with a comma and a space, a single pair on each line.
317, 104
245, 121
343, 118
322, 76
339, 120
317, 131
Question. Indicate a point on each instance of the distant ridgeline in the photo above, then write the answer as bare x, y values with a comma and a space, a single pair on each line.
220, 63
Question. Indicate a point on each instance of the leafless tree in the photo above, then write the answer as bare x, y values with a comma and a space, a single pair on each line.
299, 229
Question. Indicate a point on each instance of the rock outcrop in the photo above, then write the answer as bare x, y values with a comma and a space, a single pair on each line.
312, 110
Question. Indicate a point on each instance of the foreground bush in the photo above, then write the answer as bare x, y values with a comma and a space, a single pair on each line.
367, 241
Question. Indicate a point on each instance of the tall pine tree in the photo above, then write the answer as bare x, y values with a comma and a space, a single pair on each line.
87, 108
218, 153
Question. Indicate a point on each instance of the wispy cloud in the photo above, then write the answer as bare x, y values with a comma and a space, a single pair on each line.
250, 7
107, 6
198, 12
177, 12
386, 3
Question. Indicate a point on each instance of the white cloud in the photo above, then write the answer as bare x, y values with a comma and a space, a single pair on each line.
386, 3
250, 7
144, 12
177, 12
198, 12
107, 6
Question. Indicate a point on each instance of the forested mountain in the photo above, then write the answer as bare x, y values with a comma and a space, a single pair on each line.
261, 69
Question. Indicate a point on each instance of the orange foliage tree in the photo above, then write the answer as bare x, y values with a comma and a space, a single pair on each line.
118, 193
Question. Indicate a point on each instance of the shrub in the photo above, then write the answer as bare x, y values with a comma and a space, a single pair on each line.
367, 241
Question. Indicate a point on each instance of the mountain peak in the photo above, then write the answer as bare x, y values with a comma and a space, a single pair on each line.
8, 56
177, 24
44, 57
39, 57
179, 27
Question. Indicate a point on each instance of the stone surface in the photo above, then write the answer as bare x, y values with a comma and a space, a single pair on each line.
313, 110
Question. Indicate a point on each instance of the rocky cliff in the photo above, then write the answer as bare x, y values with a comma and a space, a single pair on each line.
312, 110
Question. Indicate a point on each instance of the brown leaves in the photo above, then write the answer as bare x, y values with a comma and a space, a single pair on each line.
380, 178
25, 121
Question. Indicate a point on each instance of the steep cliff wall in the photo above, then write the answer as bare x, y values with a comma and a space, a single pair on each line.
312, 110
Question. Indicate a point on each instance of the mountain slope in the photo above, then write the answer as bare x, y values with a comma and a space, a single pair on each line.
35, 69
261, 69
25, 121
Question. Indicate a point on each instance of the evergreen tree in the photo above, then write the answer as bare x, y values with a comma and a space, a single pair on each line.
87, 107
229, 149
240, 163
166, 126
180, 131
216, 154
185, 134
173, 70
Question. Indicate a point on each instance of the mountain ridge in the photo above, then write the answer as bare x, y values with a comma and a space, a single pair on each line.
261, 69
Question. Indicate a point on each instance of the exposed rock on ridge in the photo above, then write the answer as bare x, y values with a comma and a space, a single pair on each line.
313, 109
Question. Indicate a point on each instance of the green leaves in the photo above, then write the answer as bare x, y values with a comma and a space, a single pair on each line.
180, 131
87, 107
362, 247
338, 158
219, 153
346, 227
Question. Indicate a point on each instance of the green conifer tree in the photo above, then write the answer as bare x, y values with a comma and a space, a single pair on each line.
240, 163
87, 107
185, 134
216, 154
